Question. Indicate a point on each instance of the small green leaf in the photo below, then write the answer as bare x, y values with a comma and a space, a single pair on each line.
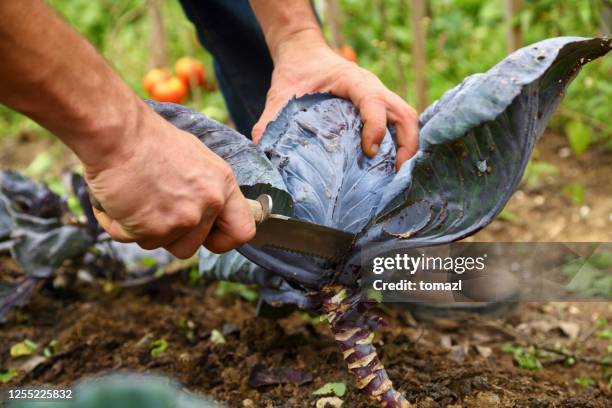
40, 165
51, 348
508, 348
537, 170
158, 347
570, 361
575, 192
216, 337
23, 348
605, 334
194, 276
586, 382
225, 288
314, 320
374, 295
8, 375
74, 205
337, 388
508, 216
579, 136
148, 262
527, 359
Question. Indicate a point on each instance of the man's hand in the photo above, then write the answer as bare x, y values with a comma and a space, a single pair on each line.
160, 186
169, 190
304, 63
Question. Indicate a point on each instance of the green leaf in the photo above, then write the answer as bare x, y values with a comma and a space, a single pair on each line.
158, 347
40, 165
605, 334
536, 170
508, 216
586, 382
51, 348
602, 323
148, 262
74, 205
575, 192
508, 348
579, 136
216, 337
8, 375
23, 348
337, 388
225, 288
527, 358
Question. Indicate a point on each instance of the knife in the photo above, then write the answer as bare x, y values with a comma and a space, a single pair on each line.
289, 234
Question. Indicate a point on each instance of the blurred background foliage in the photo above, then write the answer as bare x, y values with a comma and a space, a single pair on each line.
462, 37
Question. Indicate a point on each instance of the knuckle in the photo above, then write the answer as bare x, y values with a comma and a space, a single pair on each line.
377, 129
273, 95
371, 102
215, 202
410, 113
187, 219
377, 97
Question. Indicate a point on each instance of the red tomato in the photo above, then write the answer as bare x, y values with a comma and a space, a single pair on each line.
190, 71
347, 52
171, 90
154, 76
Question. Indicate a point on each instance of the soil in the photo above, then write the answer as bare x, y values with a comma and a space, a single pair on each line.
436, 365
440, 364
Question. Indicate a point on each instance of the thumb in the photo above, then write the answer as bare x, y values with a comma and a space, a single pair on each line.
234, 225
274, 103
114, 229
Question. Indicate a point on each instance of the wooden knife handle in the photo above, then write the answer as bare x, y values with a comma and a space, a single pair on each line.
260, 208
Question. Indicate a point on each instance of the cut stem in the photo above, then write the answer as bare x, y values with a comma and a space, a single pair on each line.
354, 336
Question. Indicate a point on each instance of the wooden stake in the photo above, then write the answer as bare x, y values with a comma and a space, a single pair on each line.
334, 19
157, 35
402, 81
515, 35
419, 55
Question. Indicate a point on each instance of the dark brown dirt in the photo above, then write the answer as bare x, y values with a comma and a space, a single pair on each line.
444, 364
99, 333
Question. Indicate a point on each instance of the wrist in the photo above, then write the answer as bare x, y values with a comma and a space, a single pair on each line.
298, 38
110, 139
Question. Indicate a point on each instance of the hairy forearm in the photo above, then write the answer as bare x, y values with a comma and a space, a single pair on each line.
285, 21
54, 76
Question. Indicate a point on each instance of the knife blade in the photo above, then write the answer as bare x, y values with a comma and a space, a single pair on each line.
289, 234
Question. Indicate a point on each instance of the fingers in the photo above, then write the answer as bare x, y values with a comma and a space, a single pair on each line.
374, 116
188, 244
377, 107
406, 122
113, 228
234, 225
274, 103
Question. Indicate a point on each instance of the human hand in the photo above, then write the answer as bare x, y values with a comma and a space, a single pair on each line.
167, 189
305, 64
